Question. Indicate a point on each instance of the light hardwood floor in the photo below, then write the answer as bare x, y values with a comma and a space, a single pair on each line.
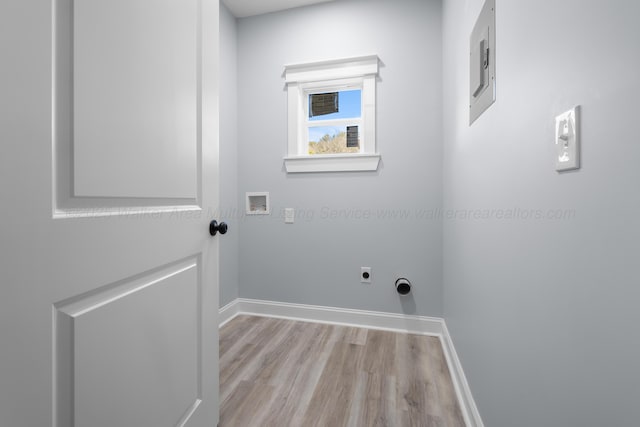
276, 372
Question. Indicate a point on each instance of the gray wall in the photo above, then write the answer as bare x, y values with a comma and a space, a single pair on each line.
317, 260
544, 313
228, 156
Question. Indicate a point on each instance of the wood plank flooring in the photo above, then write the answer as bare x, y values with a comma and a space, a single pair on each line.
276, 372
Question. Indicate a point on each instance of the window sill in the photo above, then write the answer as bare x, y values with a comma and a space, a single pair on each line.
332, 163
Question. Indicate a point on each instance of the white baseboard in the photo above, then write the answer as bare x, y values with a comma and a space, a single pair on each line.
227, 313
433, 326
463, 391
341, 316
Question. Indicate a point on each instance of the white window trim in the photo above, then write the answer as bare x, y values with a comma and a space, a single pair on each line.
302, 79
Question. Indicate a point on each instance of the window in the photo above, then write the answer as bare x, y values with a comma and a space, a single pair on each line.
334, 121
332, 116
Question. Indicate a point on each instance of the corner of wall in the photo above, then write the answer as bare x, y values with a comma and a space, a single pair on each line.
229, 209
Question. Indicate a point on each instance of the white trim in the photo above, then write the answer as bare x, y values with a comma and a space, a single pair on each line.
331, 70
227, 313
433, 326
369, 114
97, 211
354, 83
463, 391
332, 163
342, 316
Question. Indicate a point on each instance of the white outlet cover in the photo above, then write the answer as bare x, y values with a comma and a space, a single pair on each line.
567, 140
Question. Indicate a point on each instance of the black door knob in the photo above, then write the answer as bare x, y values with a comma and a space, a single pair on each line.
214, 228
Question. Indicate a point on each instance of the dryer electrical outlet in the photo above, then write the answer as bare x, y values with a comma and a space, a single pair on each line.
482, 62
365, 274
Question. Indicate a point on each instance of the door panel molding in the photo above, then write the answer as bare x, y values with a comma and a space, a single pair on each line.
144, 191
153, 310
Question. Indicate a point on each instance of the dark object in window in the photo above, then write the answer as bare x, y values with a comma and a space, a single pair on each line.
321, 104
352, 137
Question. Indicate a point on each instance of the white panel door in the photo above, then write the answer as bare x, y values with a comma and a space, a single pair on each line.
108, 182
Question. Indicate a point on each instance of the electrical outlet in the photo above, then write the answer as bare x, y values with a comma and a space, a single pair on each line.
365, 274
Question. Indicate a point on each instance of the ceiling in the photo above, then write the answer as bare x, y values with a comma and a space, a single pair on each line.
244, 8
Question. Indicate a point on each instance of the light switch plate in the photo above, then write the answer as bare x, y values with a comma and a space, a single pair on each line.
289, 215
482, 62
567, 140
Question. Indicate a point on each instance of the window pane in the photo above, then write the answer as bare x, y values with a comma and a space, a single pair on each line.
323, 104
333, 139
349, 105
